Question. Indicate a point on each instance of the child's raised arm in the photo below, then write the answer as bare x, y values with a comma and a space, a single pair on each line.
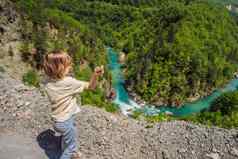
98, 71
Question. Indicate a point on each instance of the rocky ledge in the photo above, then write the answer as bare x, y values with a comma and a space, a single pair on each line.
24, 112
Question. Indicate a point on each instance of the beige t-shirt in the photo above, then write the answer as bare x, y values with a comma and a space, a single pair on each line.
62, 97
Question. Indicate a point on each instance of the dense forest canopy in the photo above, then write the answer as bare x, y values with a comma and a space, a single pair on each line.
225, 2
175, 48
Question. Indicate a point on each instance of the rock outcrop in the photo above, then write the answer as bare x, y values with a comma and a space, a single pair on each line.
25, 111
11, 40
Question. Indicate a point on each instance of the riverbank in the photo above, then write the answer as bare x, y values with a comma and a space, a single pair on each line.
127, 104
158, 102
135, 97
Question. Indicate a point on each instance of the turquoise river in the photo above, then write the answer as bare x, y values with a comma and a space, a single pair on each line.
126, 103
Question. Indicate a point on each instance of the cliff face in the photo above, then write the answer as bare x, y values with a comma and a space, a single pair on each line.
10, 40
9, 26
24, 112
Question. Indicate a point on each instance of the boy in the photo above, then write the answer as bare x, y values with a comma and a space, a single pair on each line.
61, 91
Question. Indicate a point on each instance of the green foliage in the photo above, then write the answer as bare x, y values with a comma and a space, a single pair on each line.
2, 69
158, 118
215, 119
62, 19
226, 103
55, 28
94, 98
205, 118
71, 35
175, 48
110, 107
40, 43
97, 98
10, 52
224, 2
82, 74
31, 78
33, 8
136, 114
186, 49
223, 113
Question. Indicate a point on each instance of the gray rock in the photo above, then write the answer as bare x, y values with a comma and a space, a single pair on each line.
165, 155
234, 151
104, 135
11, 40
213, 156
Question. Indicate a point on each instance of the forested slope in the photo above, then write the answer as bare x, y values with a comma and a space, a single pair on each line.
175, 48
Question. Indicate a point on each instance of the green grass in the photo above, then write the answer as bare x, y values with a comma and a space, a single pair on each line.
31, 78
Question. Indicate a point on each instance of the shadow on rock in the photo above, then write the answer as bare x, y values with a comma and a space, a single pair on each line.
50, 144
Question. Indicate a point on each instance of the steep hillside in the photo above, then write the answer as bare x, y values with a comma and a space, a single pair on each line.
31, 29
175, 49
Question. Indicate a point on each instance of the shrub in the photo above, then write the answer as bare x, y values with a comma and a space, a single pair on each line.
31, 78
158, 118
226, 103
136, 114
110, 107
215, 119
2, 69
82, 74
97, 98
92, 97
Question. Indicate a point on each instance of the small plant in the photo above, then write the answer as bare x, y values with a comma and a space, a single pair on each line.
97, 98
136, 114
31, 78
110, 107
149, 126
93, 97
10, 51
25, 53
158, 118
82, 74
2, 69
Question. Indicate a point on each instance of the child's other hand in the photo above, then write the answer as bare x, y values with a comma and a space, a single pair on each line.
99, 70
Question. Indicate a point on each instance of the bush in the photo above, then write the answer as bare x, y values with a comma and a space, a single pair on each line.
223, 113
214, 119
31, 78
92, 97
158, 118
82, 74
136, 114
98, 99
226, 103
2, 69
110, 107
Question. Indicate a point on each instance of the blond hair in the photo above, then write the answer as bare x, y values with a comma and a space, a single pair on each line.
56, 64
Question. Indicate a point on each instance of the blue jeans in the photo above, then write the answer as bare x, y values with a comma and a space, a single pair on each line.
69, 137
